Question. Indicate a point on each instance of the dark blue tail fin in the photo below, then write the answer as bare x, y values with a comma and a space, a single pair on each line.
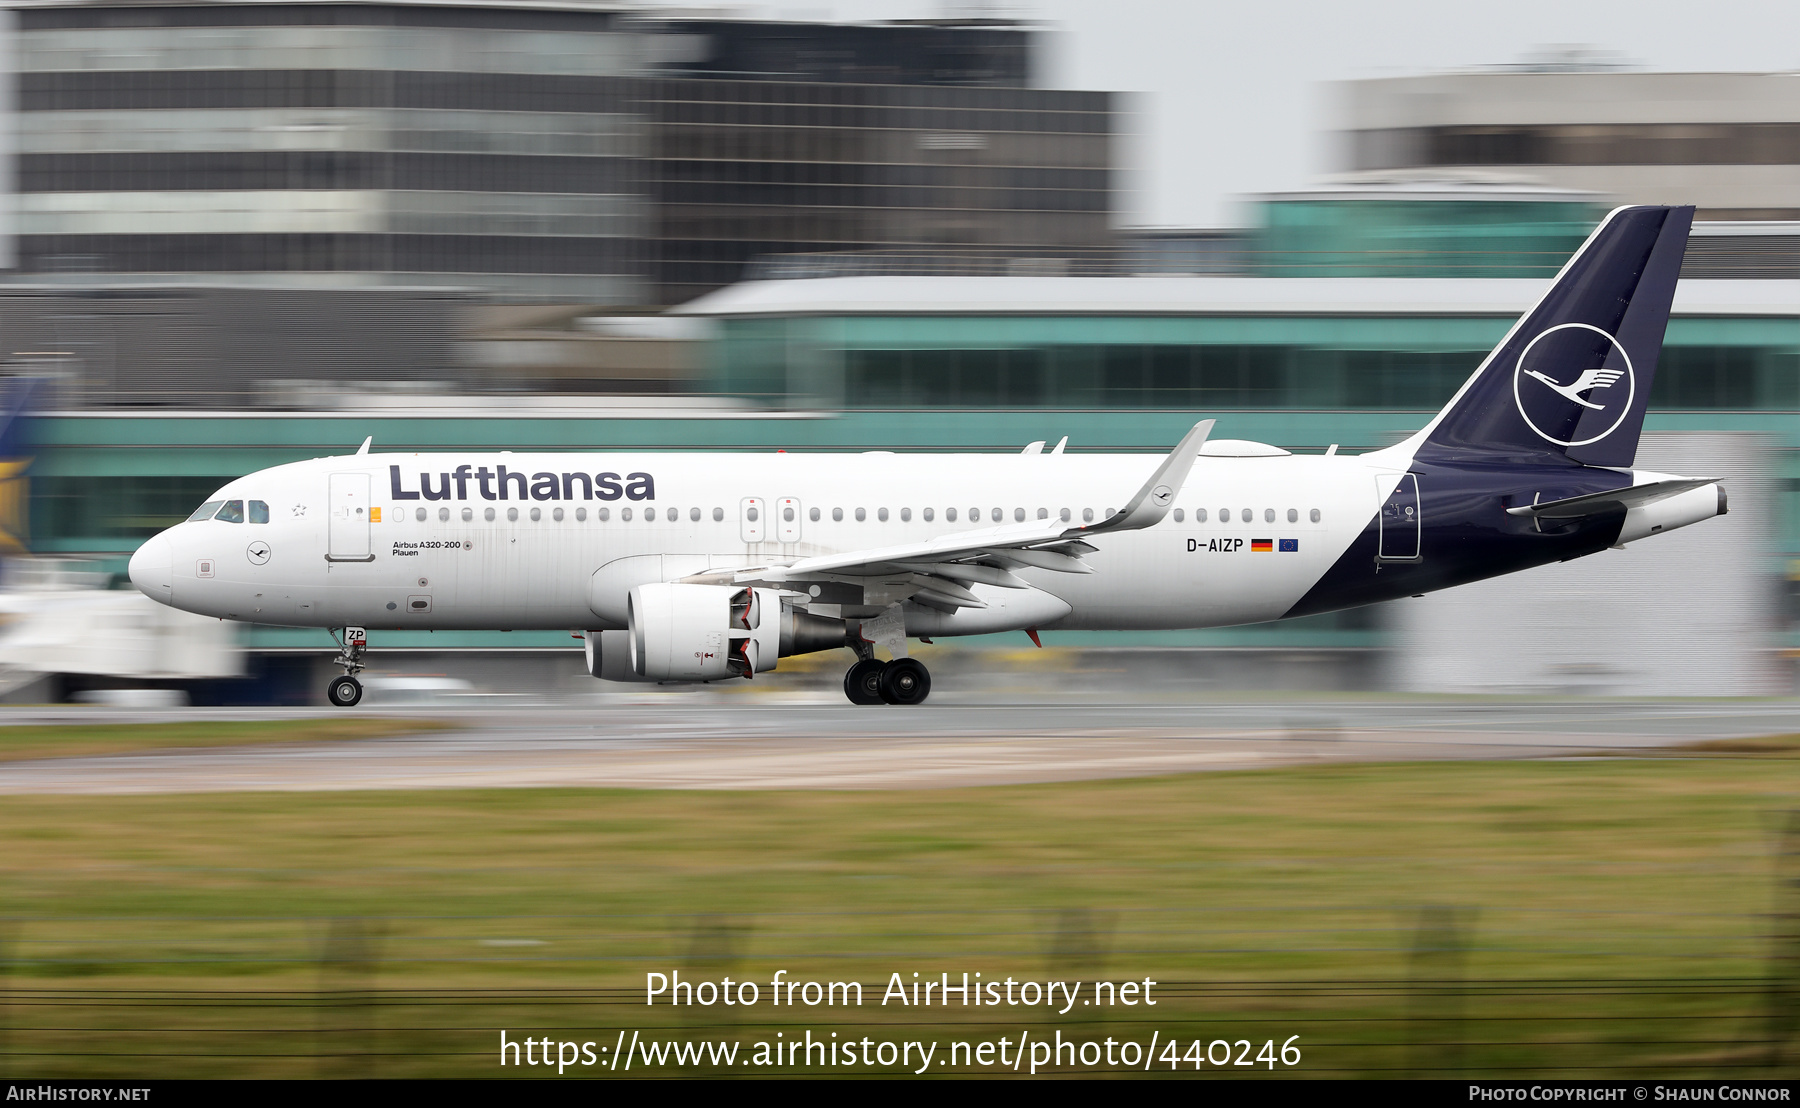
1573, 375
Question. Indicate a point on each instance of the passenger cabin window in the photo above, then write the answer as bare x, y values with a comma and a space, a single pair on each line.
232, 512
206, 511
259, 511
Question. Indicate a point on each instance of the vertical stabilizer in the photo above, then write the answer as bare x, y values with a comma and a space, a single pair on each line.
1573, 376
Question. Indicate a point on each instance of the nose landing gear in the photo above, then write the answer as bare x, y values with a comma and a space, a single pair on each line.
346, 691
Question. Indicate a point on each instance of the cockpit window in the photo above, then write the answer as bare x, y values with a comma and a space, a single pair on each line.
232, 512
206, 510
259, 511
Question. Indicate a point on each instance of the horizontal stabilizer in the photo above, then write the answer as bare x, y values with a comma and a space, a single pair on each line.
1635, 496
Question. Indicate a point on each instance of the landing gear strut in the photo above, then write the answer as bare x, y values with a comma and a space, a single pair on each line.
346, 691
901, 681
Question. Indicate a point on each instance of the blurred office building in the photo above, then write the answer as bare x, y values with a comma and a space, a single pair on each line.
1728, 143
557, 153
441, 197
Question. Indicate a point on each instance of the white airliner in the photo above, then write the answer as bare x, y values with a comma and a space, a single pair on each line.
710, 566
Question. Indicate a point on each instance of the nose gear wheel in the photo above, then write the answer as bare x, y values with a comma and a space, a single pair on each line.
345, 692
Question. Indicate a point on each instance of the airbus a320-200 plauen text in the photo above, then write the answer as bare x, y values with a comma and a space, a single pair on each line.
698, 567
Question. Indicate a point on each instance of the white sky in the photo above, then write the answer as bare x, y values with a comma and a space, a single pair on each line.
1233, 100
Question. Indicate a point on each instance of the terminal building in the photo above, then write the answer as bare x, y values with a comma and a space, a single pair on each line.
898, 246
1726, 142
992, 363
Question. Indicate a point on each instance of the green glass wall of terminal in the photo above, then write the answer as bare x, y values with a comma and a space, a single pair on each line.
1200, 363
1391, 237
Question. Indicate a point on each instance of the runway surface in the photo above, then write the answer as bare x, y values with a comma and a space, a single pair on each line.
686, 742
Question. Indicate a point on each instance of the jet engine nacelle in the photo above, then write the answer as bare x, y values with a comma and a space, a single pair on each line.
703, 632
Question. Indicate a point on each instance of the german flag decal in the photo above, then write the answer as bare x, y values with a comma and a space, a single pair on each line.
1262, 546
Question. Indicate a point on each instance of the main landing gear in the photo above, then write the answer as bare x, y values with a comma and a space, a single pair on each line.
346, 691
901, 681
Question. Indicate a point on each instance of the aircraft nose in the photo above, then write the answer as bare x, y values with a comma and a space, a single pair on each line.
152, 570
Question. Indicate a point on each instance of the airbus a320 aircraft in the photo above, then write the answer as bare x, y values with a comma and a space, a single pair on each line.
694, 567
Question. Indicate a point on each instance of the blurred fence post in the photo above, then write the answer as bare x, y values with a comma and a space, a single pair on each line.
1082, 940
1081, 945
715, 946
348, 962
9, 931
1436, 991
1782, 995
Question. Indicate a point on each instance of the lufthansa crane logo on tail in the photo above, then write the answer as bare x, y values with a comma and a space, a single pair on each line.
1593, 387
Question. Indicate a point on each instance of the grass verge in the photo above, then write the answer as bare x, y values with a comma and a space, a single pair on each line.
1569, 918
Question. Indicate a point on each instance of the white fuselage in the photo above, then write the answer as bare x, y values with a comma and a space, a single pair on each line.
332, 556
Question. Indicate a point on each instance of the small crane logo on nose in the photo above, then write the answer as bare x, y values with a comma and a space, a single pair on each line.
258, 553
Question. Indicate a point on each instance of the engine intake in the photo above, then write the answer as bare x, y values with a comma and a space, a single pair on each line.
702, 632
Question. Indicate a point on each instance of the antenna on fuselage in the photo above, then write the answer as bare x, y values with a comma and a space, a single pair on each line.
364, 448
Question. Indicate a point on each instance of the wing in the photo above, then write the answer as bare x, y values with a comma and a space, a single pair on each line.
938, 571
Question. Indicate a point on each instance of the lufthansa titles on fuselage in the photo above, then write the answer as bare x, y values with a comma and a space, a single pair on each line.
496, 483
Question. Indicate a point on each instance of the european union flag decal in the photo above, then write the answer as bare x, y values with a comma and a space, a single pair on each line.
1290, 546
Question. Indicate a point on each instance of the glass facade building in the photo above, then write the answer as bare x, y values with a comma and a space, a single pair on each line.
1422, 232
1197, 343
552, 154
